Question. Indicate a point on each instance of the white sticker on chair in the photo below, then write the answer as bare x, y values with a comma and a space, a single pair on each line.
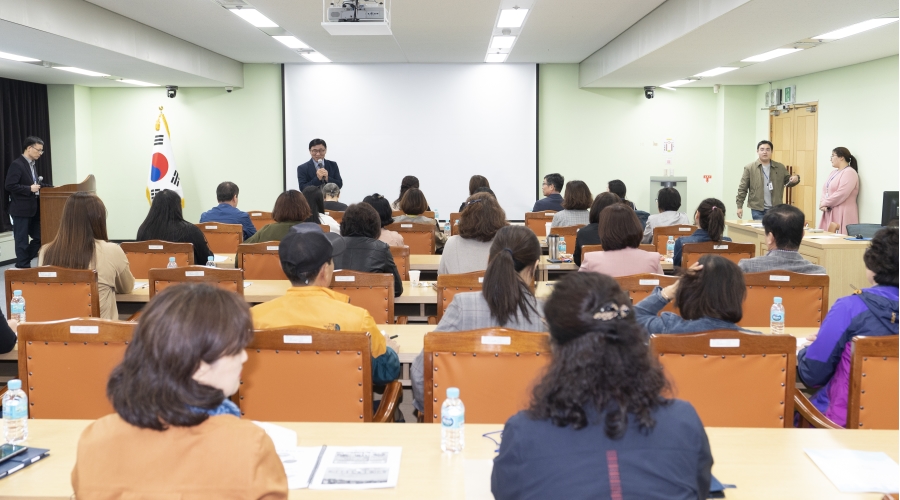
720, 247
724, 342
345, 278
648, 282
271, 247
211, 227
481, 279
549, 215
47, 275
298, 339
155, 247
488, 340
84, 329
684, 229
193, 273
256, 214
775, 277
406, 225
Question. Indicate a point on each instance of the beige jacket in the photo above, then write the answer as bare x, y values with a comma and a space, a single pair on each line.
752, 180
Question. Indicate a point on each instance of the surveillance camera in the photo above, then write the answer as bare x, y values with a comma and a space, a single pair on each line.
648, 92
171, 90
229, 89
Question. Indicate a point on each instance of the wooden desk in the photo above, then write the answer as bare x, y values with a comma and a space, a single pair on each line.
228, 263
419, 262
842, 259
763, 463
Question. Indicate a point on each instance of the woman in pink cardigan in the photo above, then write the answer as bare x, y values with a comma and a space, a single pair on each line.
838, 203
621, 233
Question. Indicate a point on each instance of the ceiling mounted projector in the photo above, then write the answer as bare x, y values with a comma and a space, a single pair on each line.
357, 17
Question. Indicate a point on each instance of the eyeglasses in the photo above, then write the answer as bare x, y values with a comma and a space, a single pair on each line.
39, 151
316, 150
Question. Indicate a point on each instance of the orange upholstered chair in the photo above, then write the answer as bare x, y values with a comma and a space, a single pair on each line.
640, 286
65, 365
805, 298
222, 238
401, 260
495, 370
537, 222
418, 237
691, 252
661, 235
146, 255
568, 232
337, 216
260, 261
454, 223
228, 279
260, 219
448, 285
52, 293
372, 291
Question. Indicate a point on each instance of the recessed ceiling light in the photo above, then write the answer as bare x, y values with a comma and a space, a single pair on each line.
80, 71
291, 41
13, 57
138, 83
502, 42
772, 54
512, 18
856, 28
495, 58
676, 83
716, 71
316, 57
254, 17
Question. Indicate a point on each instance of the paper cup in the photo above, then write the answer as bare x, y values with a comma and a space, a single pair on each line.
547, 228
414, 277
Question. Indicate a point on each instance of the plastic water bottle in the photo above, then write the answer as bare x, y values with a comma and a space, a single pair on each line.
172, 263
210, 262
15, 413
453, 421
670, 248
776, 317
17, 306
562, 245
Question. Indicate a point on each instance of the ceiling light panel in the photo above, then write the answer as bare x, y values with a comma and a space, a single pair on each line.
676, 83
80, 71
772, 54
503, 42
291, 41
254, 17
138, 83
316, 57
13, 57
716, 71
856, 28
512, 18
495, 58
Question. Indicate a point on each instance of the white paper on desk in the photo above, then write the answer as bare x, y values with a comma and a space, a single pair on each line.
284, 438
478, 479
358, 468
220, 258
299, 464
247, 283
854, 471
138, 286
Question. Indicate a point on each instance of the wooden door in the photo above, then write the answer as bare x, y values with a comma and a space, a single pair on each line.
794, 133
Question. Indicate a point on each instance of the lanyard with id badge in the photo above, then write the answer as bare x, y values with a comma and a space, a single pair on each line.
768, 182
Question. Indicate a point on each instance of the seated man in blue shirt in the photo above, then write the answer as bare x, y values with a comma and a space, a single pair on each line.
226, 212
551, 188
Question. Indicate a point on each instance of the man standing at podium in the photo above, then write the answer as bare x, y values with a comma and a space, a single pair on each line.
24, 188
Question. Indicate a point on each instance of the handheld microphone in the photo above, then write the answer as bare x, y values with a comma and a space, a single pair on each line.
40, 178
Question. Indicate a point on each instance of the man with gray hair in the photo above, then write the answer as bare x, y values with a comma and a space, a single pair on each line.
332, 194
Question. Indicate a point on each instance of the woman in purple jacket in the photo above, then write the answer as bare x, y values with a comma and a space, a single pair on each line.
868, 312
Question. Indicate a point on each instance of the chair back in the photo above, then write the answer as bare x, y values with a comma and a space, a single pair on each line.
864, 230
260, 261
427, 213
325, 228
301, 374
833, 227
873, 402
227, 279
337, 216
586, 249
640, 286
648, 247
260, 219
418, 237
222, 238
65, 365
732, 379
372, 291
52, 293
401, 260
454, 223
146, 255
804, 296
537, 221
691, 252
448, 285
661, 235
568, 232
495, 370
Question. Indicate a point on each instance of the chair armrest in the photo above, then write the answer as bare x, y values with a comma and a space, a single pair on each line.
402, 320
135, 316
811, 414
389, 401
432, 320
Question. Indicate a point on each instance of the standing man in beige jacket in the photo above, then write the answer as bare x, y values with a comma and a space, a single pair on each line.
763, 183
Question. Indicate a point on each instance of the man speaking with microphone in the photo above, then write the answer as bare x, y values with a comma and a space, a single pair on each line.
318, 171
23, 185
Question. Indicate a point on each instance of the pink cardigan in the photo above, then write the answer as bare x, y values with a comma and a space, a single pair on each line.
624, 262
840, 195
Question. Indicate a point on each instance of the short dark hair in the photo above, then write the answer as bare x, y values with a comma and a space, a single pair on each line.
716, 291
31, 141
760, 143
618, 187
291, 206
153, 387
477, 181
668, 199
382, 206
226, 191
317, 142
602, 201
881, 256
785, 222
555, 180
577, 197
481, 218
315, 199
620, 227
414, 202
361, 219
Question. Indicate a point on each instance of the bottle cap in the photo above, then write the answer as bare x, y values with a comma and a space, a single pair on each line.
209, 258
14, 384
17, 293
171, 259
452, 392
778, 300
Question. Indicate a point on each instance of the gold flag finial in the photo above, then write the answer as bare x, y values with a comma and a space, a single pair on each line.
160, 108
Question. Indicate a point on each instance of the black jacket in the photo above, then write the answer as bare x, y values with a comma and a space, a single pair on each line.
185, 232
306, 174
588, 235
22, 202
368, 255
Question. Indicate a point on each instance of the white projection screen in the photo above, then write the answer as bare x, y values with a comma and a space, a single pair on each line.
440, 122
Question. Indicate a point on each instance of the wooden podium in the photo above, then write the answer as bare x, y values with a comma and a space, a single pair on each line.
53, 199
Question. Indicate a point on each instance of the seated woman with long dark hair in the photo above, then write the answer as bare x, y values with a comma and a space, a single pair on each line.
710, 216
598, 426
316, 201
365, 253
175, 432
290, 209
165, 222
383, 207
410, 181
506, 299
590, 234
82, 243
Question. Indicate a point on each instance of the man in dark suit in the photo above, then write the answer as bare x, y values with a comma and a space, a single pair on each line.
23, 188
318, 171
